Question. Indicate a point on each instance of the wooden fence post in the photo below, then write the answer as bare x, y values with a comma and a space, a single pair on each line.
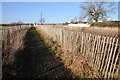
1, 39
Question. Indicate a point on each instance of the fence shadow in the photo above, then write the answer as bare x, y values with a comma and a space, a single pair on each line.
36, 60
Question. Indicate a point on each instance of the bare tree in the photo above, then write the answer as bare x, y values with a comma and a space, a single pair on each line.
95, 11
19, 22
75, 19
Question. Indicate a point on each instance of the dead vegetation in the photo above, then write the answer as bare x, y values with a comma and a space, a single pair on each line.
36, 61
94, 30
76, 63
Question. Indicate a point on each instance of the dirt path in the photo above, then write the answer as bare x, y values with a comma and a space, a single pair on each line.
36, 60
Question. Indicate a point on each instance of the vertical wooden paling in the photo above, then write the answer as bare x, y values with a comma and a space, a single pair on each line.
116, 58
98, 53
102, 50
84, 39
104, 54
108, 54
95, 53
108, 65
82, 43
94, 41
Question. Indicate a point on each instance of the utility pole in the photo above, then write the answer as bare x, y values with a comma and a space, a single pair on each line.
42, 19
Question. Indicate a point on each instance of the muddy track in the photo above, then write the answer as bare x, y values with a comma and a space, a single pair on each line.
36, 60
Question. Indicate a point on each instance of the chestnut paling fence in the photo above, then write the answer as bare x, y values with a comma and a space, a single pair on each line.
102, 52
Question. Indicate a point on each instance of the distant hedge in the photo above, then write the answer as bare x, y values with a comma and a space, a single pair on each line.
14, 24
107, 24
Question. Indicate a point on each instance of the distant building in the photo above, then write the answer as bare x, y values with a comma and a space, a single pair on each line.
79, 25
109, 19
100, 21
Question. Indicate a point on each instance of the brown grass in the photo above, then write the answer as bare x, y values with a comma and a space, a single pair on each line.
102, 31
76, 63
